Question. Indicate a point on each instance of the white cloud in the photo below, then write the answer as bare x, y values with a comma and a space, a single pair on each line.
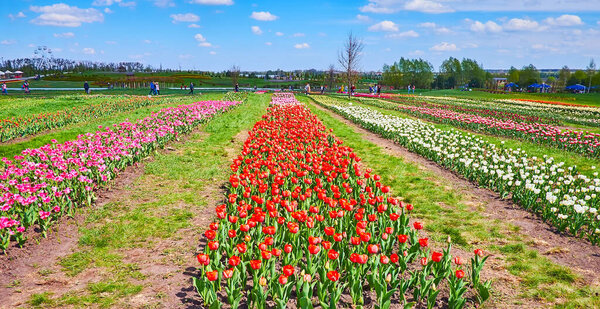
268, 43
323, 34
193, 26
444, 6
110, 42
263, 16
63, 15
127, 4
185, 56
279, 33
89, 51
147, 41
387, 49
545, 48
416, 53
8, 42
212, 52
213, 2
564, 20
518, 24
184, 18
65, 35
139, 56
405, 34
111, 2
488, 27
436, 28
164, 3
302, 46
18, 15
444, 46
201, 40
363, 18
57, 50
299, 34
256, 30
427, 6
108, 11
470, 45
393, 6
385, 25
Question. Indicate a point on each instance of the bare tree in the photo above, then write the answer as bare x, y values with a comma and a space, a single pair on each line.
349, 58
331, 77
591, 69
235, 74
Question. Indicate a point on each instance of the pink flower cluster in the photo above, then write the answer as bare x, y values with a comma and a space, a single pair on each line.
284, 98
44, 183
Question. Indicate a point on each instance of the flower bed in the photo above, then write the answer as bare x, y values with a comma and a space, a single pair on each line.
46, 183
559, 194
303, 218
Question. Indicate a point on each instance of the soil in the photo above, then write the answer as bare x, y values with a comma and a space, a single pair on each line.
577, 254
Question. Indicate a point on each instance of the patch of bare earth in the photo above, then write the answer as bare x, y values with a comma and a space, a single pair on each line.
574, 253
166, 263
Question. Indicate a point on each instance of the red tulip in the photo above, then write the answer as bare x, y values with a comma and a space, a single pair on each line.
418, 225
283, 279
276, 251
423, 261
384, 259
255, 264
436, 257
373, 249
265, 255
203, 259
402, 238
234, 260
338, 237
458, 260
314, 249
231, 233
288, 270
287, 248
210, 234
241, 247
478, 252
394, 258
460, 273
332, 254
423, 242
212, 275
333, 275
228, 273
213, 245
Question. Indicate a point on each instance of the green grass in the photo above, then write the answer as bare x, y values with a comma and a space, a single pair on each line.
141, 218
445, 213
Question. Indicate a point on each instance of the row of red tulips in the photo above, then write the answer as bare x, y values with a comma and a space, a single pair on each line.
46, 183
302, 217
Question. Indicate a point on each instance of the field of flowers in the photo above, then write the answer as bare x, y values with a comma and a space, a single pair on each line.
46, 183
90, 108
583, 142
558, 193
304, 223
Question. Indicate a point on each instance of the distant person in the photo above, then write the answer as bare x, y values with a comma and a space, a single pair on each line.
26, 87
322, 89
378, 89
255, 88
4, 90
413, 89
86, 87
352, 89
157, 88
408, 87
181, 88
152, 88
237, 87
191, 88
307, 88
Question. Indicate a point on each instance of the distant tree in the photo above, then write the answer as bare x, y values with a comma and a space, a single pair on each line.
591, 69
513, 75
451, 70
529, 75
579, 77
473, 73
349, 58
234, 73
330, 77
563, 76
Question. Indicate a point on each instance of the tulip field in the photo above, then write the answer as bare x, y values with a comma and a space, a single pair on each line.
285, 200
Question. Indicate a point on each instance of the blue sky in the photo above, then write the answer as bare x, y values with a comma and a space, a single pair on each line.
259, 35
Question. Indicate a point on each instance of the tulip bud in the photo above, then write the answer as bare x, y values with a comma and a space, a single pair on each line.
388, 278
262, 281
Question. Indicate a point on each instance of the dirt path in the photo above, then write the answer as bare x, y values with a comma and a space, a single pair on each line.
574, 253
156, 270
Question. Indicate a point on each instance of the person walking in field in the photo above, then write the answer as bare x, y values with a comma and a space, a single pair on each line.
4, 90
86, 87
157, 87
307, 88
378, 89
237, 87
191, 88
152, 88
413, 89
